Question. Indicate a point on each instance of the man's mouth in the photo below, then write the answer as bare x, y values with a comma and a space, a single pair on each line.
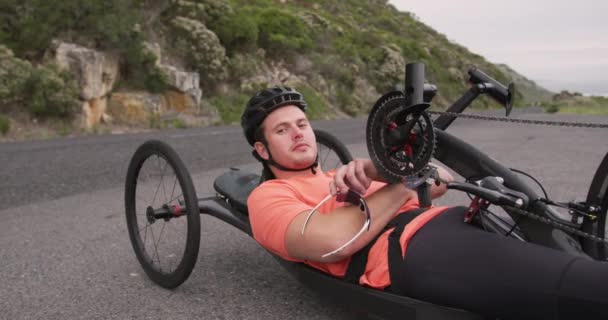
299, 146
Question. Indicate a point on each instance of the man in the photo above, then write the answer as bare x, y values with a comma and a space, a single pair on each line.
427, 254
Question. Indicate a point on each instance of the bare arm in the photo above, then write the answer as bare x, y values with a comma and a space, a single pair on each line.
326, 232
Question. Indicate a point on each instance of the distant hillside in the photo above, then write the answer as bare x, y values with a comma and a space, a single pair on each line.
341, 54
532, 92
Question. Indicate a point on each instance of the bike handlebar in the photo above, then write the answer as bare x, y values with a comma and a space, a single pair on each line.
487, 84
492, 189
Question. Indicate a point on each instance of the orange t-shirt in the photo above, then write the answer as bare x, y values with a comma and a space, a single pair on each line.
274, 204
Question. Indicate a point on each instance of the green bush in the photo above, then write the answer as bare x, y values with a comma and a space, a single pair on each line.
141, 71
281, 32
14, 73
346, 102
552, 108
29, 26
5, 124
237, 31
333, 67
49, 92
230, 106
243, 66
200, 48
316, 106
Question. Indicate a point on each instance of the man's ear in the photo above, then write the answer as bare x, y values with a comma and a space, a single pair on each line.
260, 148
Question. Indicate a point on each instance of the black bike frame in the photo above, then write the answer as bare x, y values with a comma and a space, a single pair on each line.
472, 164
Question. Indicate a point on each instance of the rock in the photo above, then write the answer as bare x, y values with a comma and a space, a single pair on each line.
271, 75
366, 93
303, 64
95, 72
94, 110
135, 108
145, 109
180, 102
393, 64
185, 82
320, 84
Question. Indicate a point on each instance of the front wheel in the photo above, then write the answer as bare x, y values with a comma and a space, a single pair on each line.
598, 196
162, 214
332, 152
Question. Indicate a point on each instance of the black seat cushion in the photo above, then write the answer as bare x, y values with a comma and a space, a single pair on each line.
236, 185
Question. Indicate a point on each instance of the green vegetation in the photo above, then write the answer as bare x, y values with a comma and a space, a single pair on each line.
237, 31
282, 32
28, 26
317, 108
49, 92
5, 124
45, 91
343, 54
230, 106
575, 103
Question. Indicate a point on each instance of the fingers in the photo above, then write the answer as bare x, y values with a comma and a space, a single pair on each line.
332, 188
362, 176
339, 184
351, 176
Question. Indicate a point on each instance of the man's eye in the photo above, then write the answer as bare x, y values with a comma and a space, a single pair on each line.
280, 131
303, 125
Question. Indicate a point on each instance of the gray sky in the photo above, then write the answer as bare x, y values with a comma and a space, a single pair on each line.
559, 44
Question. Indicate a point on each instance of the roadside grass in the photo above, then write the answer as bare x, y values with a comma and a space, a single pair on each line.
230, 107
578, 105
585, 110
5, 124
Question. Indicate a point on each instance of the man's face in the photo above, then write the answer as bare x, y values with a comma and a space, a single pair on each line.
290, 138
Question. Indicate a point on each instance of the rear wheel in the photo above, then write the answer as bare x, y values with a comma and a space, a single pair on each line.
332, 152
598, 196
162, 214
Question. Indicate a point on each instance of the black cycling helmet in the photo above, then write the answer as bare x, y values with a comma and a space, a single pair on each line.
263, 103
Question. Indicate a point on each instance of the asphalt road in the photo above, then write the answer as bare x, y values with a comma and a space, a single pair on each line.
64, 247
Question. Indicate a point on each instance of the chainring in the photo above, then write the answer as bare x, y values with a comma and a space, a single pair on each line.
397, 161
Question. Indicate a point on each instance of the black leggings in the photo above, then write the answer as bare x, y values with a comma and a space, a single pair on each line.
451, 263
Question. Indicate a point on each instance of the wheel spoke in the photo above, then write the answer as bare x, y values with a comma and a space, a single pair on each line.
161, 178
175, 198
158, 242
173, 190
145, 234
155, 251
326, 156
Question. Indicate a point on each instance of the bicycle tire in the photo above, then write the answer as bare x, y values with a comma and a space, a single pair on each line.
326, 159
598, 195
184, 260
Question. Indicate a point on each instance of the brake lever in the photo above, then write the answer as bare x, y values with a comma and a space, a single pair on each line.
508, 197
497, 184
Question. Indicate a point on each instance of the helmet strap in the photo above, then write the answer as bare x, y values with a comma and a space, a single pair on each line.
273, 163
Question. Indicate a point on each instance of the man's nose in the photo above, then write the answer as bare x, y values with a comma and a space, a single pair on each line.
298, 133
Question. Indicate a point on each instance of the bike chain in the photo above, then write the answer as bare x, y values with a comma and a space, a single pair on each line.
532, 215
524, 121
558, 225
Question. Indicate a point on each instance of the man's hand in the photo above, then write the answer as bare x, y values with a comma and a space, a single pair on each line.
357, 175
